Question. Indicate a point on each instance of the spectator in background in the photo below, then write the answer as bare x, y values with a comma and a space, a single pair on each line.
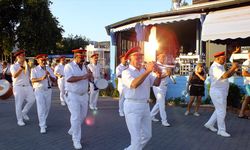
196, 88
246, 75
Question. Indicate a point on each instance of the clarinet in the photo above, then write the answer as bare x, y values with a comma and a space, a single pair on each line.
95, 87
49, 87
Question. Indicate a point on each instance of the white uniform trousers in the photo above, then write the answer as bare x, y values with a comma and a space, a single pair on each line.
93, 96
160, 104
219, 99
121, 101
139, 123
43, 103
61, 86
78, 107
22, 93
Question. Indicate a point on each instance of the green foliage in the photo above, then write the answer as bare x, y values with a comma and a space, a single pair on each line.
176, 101
71, 42
28, 24
235, 95
109, 91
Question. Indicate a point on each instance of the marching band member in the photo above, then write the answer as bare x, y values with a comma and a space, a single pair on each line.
76, 94
95, 68
22, 88
218, 92
160, 91
59, 73
122, 66
42, 77
137, 82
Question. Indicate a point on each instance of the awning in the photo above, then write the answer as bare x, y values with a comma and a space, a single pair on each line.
171, 19
227, 24
161, 20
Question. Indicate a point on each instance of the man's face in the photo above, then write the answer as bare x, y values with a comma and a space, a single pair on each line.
42, 62
222, 59
136, 60
162, 58
21, 57
123, 61
62, 61
95, 59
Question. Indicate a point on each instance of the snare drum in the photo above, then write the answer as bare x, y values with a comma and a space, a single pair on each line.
5, 89
101, 84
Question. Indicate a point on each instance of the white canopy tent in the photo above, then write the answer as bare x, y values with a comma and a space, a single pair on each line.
227, 24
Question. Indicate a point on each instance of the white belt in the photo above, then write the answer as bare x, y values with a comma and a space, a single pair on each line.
80, 94
137, 100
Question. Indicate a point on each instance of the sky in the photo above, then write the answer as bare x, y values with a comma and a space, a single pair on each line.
89, 17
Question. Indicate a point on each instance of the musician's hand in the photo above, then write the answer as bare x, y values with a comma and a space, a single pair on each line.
22, 67
44, 77
237, 50
150, 66
235, 65
47, 73
158, 74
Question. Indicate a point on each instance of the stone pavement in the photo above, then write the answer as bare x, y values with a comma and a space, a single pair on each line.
107, 131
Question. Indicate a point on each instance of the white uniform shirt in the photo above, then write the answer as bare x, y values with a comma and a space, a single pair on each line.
39, 72
59, 69
96, 70
142, 92
119, 70
246, 67
164, 81
23, 79
215, 73
79, 87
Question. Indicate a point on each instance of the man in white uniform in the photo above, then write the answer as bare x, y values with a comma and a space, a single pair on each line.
95, 68
122, 66
42, 77
76, 94
59, 73
137, 82
160, 91
218, 92
22, 88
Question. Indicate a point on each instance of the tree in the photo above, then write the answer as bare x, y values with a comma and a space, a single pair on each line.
9, 16
72, 42
38, 31
28, 24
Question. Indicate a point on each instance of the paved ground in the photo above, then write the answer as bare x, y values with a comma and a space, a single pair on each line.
109, 131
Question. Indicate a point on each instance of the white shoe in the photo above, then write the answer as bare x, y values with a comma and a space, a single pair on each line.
211, 128
43, 130
63, 103
165, 123
196, 114
121, 114
77, 145
95, 108
223, 133
91, 107
26, 117
186, 113
20, 123
154, 119
70, 132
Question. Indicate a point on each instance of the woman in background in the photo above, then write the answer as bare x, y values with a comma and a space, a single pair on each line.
196, 88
